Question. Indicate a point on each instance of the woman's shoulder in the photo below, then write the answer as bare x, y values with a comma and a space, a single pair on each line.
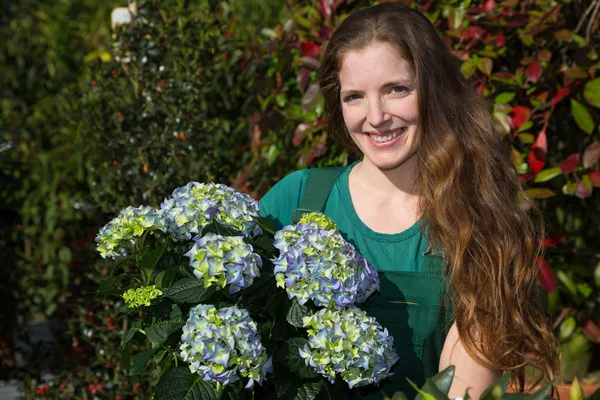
284, 197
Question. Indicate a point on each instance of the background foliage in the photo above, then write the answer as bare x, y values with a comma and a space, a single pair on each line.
226, 91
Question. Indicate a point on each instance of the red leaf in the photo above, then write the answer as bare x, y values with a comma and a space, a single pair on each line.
521, 116
474, 32
537, 155
534, 71
584, 189
570, 164
500, 40
591, 155
302, 78
325, 6
309, 49
553, 240
591, 330
595, 178
546, 276
300, 134
489, 6
560, 93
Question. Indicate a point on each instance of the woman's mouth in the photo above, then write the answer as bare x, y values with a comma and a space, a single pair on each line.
387, 137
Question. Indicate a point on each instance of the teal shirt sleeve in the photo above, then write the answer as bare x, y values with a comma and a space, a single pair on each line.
279, 202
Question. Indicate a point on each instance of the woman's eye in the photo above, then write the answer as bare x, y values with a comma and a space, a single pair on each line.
351, 97
399, 89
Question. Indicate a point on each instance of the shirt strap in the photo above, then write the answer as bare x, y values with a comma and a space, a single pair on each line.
319, 183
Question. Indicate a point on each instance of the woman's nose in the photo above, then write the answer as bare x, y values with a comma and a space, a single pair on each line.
377, 113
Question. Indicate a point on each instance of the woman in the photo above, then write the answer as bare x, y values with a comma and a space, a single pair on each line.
433, 205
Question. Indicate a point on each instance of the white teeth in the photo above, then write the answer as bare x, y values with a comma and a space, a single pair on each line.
383, 139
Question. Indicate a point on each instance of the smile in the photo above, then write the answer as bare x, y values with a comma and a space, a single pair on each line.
388, 137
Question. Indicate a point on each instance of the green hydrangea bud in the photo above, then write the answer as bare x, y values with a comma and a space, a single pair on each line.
142, 296
320, 219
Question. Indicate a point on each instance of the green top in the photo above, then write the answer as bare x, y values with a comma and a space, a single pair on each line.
409, 303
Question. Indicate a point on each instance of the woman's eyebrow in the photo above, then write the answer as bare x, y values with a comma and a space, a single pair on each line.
396, 82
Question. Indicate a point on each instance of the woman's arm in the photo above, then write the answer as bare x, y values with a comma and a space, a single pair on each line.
468, 374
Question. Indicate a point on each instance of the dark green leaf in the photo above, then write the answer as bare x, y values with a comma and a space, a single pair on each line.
189, 290
591, 92
124, 309
267, 225
159, 332
424, 395
111, 287
150, 259
220, 229
296, 313
130, 334
497, 389
542, 393
400, 396
289, 355
181, 384
165, 278
431, 389
139, 361
126, 355
443, 379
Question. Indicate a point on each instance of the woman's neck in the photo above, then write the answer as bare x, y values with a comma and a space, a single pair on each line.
400, 182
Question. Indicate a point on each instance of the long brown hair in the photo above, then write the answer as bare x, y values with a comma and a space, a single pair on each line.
470, 194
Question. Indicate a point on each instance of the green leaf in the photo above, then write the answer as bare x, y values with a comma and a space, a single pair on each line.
591, 92
289, 356
541, 394
582, 116
165, 278
130, 334
504, 97
296, 313
443, 379
567, 328
181, 384
220, 229
189, 290
139, 361
399, 396
110, 287
424, 395
567, 282
124, 309
539, 193
309, 391
159, 332
497, 389
149, 260
547, 174
125, 358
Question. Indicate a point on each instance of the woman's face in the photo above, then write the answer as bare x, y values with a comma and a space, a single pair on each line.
379, 104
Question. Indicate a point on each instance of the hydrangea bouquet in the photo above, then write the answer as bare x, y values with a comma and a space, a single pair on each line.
229, 308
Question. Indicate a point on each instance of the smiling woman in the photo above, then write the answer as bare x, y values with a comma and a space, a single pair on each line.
433, 205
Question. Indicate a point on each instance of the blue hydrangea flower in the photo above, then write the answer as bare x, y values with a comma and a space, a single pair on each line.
224, 260
224, 345
349, 343
195, 205
117, 238
318, 264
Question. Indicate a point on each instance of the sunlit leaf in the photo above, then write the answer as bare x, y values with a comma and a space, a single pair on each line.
591, 92
547, 174
582, 116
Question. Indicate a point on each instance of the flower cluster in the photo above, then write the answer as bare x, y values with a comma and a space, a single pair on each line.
318, 264
224, 345
224, 260
350, 343
320, 219
195, 205
141, 296
116, 238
